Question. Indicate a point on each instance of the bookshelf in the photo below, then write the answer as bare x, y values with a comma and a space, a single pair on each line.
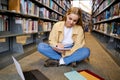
106, 26
24, 26
86, 21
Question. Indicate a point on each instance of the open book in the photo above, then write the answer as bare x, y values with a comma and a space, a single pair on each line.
61, 48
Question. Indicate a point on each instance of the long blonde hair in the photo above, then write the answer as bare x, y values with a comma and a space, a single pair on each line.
77, 11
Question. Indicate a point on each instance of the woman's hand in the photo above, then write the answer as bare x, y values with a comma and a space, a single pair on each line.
59, 45
58, 50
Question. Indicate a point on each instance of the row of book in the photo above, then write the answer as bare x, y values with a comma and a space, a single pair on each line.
29, 26
55, 16
85, 16
24, 7
64, 3
3, 4
112, 12
109, 28
86, 20
44, 13
95, 4
102, 6
3, 23
44, 26
27, 7
52, 5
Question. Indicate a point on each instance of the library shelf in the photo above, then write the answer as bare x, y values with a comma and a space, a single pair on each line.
12, 42
108, 6
5, 57
15, 14
4, 34
48, 20
97, 7
108, 20
114, 36
59, 5
106, 27
109, 43
48, 8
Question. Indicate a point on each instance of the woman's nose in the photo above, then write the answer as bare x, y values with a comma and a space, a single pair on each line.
71, 22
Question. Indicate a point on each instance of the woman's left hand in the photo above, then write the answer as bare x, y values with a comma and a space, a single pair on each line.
60, 51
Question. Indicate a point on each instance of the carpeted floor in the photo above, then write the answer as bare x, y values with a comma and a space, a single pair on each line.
100, 63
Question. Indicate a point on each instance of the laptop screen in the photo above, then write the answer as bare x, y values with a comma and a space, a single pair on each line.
19, 69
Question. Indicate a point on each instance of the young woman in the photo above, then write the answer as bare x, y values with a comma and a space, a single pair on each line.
66, 34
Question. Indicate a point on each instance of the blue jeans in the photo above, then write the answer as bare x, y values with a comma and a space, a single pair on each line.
78, 55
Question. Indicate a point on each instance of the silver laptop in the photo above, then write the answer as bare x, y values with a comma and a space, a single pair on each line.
29, 75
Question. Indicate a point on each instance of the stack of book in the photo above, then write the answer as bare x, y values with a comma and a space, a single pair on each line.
82, 75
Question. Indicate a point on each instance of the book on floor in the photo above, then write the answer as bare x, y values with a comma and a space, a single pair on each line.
89, 75
74, 75
82, 75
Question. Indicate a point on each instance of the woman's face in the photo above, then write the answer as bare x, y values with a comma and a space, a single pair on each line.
71, 20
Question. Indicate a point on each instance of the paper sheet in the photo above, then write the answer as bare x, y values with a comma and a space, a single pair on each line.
74, 75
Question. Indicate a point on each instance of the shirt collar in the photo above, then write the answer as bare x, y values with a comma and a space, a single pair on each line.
61, 27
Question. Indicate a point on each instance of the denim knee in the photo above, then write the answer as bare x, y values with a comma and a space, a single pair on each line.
42, 46
87, 52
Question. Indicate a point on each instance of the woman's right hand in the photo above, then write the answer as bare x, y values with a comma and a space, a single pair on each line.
58, 50
59, 45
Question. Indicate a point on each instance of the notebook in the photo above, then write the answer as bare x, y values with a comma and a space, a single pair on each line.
90, 75
74, 75
29, 75
62, 48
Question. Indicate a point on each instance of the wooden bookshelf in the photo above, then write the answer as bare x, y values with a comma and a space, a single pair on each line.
18, 23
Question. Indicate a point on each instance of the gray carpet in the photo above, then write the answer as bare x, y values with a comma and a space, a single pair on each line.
36, 61
100, 63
